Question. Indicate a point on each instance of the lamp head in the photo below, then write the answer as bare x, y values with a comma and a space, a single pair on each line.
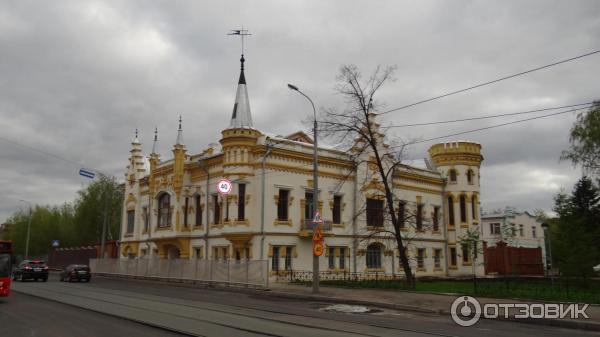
292, 87
545, 226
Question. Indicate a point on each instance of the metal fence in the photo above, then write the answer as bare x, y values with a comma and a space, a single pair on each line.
306, 276
241, 273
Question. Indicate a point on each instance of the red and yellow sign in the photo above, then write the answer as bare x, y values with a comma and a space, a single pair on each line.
318, 248
318, 235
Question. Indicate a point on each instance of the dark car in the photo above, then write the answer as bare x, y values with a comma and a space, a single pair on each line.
31, 269
76, 272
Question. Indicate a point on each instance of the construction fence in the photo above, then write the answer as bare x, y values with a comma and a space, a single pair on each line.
235, 273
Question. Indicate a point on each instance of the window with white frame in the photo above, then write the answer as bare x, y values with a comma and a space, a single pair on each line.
495, 228
521, 230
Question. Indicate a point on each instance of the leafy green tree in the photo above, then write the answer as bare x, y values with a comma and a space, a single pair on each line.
101, 194
585, 140
576, 238
74, 224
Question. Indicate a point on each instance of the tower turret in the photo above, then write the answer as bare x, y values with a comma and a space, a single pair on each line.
458, 163
237, 140
179, 161
135, 169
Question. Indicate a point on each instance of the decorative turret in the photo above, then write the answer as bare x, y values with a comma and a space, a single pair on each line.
241, 117
237, 140
135, 169
179, 161
456, 153
154, 159
458, 163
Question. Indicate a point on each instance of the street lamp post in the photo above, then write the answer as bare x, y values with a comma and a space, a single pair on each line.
28, 230
315, 283
546, 227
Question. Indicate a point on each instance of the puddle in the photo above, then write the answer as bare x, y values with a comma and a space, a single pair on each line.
350, 309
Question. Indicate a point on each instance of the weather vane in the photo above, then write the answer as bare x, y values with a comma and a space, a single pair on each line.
241, 33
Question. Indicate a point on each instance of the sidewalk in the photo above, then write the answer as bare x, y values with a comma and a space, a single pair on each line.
417, 301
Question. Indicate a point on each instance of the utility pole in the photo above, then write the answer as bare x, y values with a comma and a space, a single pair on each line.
315, 278
105, 220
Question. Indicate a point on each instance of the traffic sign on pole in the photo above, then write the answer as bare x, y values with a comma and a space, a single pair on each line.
317, 235
224, 186
55, 243
87, 173
318, 248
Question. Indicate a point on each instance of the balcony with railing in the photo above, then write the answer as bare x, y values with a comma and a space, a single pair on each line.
307, 228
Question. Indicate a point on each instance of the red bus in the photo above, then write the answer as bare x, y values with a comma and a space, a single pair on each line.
5, 267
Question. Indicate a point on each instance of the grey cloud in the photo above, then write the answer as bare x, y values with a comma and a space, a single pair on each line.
79, 77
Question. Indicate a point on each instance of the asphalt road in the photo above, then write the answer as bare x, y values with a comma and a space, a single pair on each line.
207, 312
24, 315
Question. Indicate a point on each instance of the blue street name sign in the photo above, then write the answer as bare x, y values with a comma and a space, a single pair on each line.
87, 174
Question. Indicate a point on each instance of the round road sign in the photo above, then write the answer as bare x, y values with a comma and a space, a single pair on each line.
318, 248
224, 186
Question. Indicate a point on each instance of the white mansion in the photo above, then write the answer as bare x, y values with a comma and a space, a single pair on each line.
172, 209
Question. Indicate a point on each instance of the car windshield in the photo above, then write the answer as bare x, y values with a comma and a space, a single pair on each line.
37, 263
4, 265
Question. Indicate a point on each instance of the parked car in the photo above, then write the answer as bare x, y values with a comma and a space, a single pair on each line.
76, 272
31, 269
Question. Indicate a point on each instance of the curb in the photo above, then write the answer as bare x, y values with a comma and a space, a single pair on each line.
582, 325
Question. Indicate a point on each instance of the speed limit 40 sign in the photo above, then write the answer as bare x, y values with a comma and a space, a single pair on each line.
224, 186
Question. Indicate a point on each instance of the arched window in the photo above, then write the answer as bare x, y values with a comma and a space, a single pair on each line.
164, 210
474, 207
463, 209
450, 211
452, 174
470, 177
374, 256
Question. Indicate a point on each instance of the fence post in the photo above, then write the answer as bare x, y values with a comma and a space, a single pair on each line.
228, 272
168, 267
210, 270
196, 270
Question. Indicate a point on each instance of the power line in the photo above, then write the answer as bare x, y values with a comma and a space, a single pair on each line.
52, 155
487, 117
493, 81
489, 127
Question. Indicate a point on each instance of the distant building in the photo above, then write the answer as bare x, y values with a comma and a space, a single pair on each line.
517, 229
172, 209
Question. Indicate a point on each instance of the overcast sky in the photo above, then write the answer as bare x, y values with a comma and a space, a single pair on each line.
78, 77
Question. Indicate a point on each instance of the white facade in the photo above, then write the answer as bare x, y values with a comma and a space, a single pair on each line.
517, 229
173, 210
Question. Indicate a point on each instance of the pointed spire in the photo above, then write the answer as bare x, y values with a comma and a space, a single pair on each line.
155, 140
179, 134
136, 140
242, 79
241, 116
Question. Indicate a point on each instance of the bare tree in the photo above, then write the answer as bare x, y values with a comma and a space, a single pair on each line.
356, 127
